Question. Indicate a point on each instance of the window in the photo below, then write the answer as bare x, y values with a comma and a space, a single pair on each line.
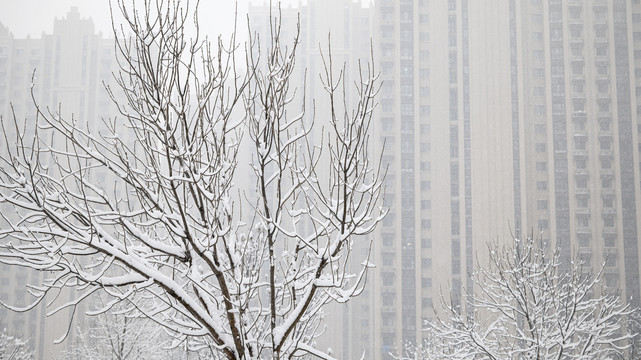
426, 302
407, 165
424, 74
584, 239
542, 204
609, 239
388, 258
579, 124
575, 12
539, 128
424, 36
407, 109
540, 147
582, 200
388, 299
426, 263
537, 55
541, 185
426, 282
538, 73
581, 181
426, 243
575, 32
538, 91
426, 204
388, 89
579, 106
583, 220
388, 239
388, 278
604, 124
407, 90
611, 280
541, 166
537, 36
387, 105
580, 163
543, 224
611, 260
389, 219
577, 68
608, 220
608, 201
388, 50
426, 224
602, 87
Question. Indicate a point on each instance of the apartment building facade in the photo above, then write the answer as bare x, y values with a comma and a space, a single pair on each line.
64, 71
501, 119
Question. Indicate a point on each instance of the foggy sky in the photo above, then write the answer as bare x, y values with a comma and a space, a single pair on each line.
32, 17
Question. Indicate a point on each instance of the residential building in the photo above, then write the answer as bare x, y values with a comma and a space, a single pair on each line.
64, 73
500, 119
450, 180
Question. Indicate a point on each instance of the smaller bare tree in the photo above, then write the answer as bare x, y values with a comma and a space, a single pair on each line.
116, 336
527, 306
14, 348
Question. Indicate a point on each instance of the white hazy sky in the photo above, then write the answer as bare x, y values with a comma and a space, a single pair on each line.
32, 17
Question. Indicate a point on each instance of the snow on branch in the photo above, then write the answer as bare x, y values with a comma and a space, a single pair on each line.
527, 305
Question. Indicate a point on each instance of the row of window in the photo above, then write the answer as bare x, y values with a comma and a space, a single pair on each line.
388, 277
388, 260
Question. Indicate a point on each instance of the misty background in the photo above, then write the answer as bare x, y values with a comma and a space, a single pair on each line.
497, 120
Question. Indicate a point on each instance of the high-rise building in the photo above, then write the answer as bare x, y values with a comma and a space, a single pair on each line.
503, 118
65, 70
444, 102
578, 65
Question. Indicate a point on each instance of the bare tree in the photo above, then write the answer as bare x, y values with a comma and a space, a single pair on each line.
527, 306
13, 348
113, 336
150, 211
